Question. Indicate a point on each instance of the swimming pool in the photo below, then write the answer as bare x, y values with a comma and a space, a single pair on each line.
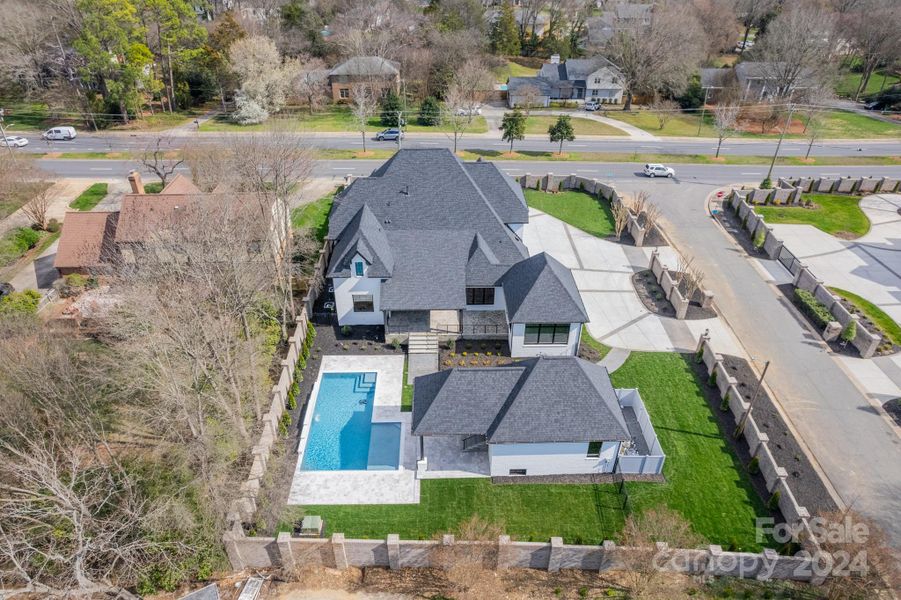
342, 435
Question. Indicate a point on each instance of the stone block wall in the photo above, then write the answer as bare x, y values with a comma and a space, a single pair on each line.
554, 555
670, 287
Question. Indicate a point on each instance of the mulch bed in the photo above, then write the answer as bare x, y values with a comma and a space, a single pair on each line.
473, 353
731, 223
655, 238
837, 346
651, 294
893, 408
805, 482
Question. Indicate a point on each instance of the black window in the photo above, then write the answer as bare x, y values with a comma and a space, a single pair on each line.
344, 93
480, 295
363, 303
517, 471
547, 334
594, 449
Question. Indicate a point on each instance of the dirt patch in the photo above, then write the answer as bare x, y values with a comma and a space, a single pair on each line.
805, 482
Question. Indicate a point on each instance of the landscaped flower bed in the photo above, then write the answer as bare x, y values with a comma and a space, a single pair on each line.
474, 353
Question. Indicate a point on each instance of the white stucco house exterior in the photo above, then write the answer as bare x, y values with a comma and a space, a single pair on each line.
429, 243
545, 416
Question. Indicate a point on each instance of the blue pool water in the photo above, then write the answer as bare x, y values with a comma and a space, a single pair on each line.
342, 435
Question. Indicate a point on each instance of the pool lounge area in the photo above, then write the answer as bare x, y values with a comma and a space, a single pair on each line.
354, 445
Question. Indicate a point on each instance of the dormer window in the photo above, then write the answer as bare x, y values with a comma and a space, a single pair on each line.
358, 268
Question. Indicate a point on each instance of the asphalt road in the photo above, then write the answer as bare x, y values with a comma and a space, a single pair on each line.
685, 174
114, 142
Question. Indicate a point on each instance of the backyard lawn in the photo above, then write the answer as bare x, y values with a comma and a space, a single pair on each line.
704, 482
89, 198
836, 214
849, 81
576, 208
581, 126
512, 69
873, 313
314, 216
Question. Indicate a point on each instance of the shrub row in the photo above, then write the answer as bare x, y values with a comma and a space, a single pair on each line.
294, 390
812, 307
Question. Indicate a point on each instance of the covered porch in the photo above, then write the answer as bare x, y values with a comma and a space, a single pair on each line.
451, 457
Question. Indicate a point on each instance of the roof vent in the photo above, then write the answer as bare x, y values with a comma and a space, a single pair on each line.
405, 190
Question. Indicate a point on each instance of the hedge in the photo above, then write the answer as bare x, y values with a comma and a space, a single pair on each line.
812, 307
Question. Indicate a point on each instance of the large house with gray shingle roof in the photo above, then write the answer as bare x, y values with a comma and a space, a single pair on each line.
575, 79
535, 417
429, 243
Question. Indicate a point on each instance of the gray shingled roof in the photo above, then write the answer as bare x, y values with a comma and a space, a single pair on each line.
580, 68
544, 85
483, 268
430, 271
505, 194
541, 290
545, 399
366, 65
364, 236
716, 78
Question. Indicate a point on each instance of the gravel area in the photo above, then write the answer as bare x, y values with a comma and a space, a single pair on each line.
803, 479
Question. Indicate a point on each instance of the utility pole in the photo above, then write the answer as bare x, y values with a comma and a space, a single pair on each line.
400, 129
3, 135
744, 418
788, 122
703, 108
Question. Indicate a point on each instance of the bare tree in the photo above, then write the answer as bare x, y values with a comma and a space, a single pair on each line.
470, 562
639, 202
36, 209
752, 13
641, 558
813, 131
464, 96
157, 158
690, 277
620, 218
721, 27
725, 117
798, 49
650, 217
311, 83
661, 58
664, 110
363, 104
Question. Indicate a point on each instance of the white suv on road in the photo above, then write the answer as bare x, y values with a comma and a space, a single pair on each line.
656, 170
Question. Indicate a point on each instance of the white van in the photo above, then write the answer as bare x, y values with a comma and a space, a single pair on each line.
59, 133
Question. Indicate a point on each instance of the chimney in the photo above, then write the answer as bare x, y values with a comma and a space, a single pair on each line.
137, 186
555, 59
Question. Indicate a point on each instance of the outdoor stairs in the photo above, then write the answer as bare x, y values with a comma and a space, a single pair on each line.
423, 343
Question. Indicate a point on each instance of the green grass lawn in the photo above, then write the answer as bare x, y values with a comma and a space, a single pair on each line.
836, 214
539, 124
336, 119
887, 324
849, 81
586, 339
406, 395
576, 208
314, 216
705, 483
154, 187
89, 198
683, 125
512, 69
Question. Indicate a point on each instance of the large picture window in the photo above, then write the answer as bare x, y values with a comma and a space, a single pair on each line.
363, 303
476, 296
555, 333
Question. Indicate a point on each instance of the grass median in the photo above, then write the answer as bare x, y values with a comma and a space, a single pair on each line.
91, 197
579, 209
836, 214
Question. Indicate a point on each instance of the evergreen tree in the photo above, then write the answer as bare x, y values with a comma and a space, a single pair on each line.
430, 112
505, 33
391, 110
513, 127
562, 131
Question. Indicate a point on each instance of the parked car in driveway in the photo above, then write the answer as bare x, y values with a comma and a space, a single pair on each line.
15, 141
658, 170
466, 112
592, 105
389, 134
59, 133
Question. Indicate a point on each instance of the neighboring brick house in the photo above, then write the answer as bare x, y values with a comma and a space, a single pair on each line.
378, 73
99, 242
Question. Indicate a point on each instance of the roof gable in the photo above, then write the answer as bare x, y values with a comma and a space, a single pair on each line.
541, 290
87, 240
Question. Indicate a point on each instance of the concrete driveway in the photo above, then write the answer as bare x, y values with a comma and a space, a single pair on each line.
603, 270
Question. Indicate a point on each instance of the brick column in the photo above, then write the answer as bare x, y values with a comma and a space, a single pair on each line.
393, 551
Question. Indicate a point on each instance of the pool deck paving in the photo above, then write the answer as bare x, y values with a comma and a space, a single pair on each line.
362, 487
